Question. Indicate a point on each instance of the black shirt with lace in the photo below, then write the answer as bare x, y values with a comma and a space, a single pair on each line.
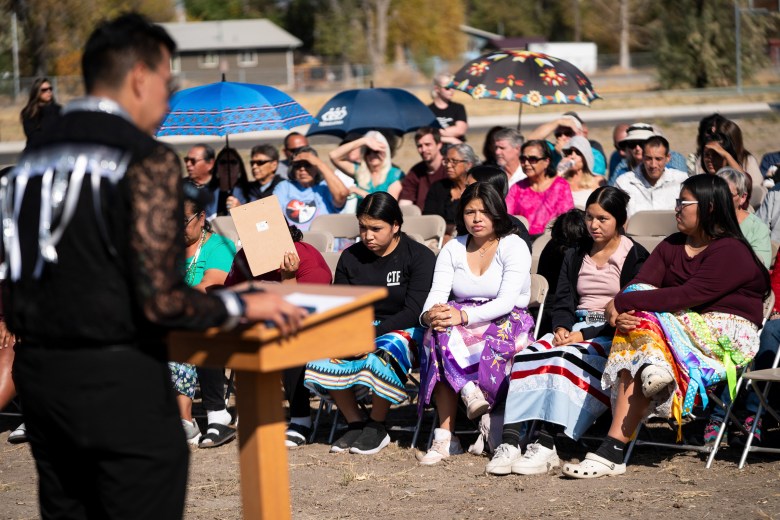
117, 281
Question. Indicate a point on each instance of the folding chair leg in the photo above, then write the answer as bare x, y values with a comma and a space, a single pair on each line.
752, 432
728, 417
434, 424
631, 444
317, 421
335, 424
417, 428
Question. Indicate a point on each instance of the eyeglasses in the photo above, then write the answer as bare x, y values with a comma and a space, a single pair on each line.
46, 89
530, 159
260, 163
188, 220
193, 160
443, 87
447, 160
679, 203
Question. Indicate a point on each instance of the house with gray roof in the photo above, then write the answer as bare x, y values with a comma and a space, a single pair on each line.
247, 51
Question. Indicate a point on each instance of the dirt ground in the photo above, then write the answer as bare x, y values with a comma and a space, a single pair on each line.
391, 485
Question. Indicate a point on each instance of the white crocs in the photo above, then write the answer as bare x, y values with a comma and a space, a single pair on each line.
594, 466
655, 379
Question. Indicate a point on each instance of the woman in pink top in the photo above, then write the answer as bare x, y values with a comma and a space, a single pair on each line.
542, 195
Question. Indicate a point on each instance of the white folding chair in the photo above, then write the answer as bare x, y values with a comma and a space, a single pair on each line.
539, 288
656, 223
649, 242
339, 225
321, 240
536, 251
430, 227
411, 210
416, 237
753, 377
332, 259
224, 226
757, 196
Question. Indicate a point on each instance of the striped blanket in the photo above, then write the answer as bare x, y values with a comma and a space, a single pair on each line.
560, 385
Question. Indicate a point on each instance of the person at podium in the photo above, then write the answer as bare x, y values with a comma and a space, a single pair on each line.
384, 257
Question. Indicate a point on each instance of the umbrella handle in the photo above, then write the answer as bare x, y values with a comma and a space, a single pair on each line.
520, 118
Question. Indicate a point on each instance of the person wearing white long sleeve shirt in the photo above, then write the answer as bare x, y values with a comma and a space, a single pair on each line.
487, 269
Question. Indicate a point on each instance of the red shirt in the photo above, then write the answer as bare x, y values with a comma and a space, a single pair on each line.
313, 268
416, 183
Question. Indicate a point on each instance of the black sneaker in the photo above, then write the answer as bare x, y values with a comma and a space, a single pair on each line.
345, 442
297, 435
373, 439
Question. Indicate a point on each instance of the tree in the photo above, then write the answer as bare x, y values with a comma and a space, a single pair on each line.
54, 31
551, 19
426, 28
698, 50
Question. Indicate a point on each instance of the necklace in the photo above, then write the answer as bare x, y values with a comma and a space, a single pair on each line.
483, 250
189, 276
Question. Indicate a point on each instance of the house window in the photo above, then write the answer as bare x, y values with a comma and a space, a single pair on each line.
247, 59
176, 64
208, 61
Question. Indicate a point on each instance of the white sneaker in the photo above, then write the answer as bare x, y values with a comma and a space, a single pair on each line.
503, 458
537, 460
655, 379
476, 405
440, 450
192, 431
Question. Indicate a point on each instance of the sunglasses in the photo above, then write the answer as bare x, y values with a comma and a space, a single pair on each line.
530, 159
293, 151
260, 163
570, 151
630, 145
193, 160
46, 89
301, 164
564, 133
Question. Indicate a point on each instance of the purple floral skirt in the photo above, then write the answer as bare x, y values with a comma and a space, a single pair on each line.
476, 352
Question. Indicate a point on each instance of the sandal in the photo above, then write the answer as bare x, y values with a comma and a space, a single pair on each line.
594, 466
216, 435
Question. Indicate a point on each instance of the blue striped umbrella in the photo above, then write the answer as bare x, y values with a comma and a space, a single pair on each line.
231, 108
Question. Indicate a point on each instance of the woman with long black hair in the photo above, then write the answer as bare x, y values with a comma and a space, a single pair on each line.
689, 318
41, 111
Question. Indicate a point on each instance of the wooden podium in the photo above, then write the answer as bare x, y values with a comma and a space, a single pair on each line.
258, 355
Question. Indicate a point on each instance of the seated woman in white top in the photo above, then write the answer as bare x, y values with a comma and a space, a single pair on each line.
471, 339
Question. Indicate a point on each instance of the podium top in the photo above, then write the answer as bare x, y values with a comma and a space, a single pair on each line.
344, 328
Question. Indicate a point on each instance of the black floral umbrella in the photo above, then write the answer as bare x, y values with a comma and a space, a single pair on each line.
532, 78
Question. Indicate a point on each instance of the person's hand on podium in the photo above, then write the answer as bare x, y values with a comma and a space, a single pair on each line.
270, 307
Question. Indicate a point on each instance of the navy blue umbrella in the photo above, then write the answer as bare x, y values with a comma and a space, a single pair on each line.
231, 108
361, 110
